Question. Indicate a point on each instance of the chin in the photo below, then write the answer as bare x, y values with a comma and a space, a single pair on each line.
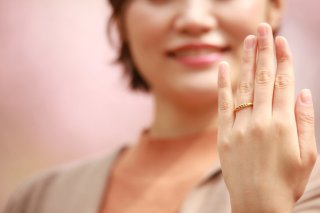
202, 86
196, 96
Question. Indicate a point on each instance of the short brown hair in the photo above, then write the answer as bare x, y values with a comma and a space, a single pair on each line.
136, 81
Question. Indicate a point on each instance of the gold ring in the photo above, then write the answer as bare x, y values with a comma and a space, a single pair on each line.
242, 106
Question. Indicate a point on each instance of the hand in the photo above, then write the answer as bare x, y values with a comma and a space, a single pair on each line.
267, 151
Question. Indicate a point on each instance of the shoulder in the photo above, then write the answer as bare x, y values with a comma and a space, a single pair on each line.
310, 200
69, 184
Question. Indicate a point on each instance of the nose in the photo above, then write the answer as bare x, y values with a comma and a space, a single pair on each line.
194, 19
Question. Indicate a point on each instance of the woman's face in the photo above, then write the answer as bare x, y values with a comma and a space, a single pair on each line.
177, 44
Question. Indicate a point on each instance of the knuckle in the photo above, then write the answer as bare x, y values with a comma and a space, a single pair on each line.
263, 77
284, 58
240, 135
281, 126
264, 45
224, 144
247, 57
313, 155
306, 117
257, 128
225, 105
283, 81
245, 87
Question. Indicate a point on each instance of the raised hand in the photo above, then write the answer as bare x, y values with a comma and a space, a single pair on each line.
267, 150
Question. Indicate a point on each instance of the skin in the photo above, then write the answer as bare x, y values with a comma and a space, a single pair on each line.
184, 100
275, 139
254, 140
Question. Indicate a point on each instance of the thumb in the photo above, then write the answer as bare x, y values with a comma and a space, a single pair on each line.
304, 113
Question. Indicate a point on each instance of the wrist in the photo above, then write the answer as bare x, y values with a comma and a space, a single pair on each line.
262, 206
260, 210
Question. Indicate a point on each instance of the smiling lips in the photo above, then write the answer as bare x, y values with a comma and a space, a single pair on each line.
197, 55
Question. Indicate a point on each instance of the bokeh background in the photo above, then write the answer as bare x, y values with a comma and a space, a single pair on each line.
62, 99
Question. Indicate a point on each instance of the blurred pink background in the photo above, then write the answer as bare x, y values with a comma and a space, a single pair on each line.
61, 97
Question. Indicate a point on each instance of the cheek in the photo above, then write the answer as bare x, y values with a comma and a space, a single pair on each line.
242, 19
146, 29
237, 24
146, 26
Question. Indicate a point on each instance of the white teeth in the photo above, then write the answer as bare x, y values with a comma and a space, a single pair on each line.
198, 52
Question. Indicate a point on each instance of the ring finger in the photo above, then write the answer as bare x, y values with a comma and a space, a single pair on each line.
246, 80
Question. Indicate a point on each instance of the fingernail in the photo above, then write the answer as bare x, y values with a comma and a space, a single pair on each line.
249, 42
222, 82
223, 66
263, 30
306, 96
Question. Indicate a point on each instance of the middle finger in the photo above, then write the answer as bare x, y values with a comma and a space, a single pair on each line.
265, 72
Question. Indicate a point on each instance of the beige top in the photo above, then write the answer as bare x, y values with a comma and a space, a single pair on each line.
79, 188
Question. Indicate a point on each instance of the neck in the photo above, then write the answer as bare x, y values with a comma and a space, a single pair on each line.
168, 146
174, 120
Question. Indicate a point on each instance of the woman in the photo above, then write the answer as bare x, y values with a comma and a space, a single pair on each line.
238, 116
